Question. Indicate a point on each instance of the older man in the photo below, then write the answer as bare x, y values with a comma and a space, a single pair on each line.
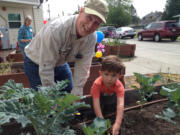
66, 39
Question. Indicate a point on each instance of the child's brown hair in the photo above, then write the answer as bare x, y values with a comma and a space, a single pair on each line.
112, 63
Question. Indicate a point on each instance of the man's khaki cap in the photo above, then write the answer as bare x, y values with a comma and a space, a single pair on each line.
98, 8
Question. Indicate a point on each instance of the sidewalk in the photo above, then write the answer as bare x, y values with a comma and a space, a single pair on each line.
145, 66
154, 57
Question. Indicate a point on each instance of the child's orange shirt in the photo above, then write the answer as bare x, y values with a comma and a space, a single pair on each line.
99, 87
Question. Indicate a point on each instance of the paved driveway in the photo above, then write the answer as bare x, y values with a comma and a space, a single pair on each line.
153, 57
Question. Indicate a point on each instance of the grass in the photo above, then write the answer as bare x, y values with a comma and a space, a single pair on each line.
178, 38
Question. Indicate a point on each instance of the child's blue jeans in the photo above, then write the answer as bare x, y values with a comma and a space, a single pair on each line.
60, 73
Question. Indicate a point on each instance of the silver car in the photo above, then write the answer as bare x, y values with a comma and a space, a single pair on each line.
125, 32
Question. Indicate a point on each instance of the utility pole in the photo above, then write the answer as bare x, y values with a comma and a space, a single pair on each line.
49, 11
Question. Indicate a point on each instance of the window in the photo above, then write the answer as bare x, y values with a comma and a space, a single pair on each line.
14, 20
157, 26
171, 24
148, 27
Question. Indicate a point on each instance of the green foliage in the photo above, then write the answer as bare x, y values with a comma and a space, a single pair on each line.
146, 89
118, 16
98, 127
173, 105
48, 110
172, 8
113, 42
6, 68
118, 3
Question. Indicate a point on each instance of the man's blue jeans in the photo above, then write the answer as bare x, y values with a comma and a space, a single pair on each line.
22, 51
61, 73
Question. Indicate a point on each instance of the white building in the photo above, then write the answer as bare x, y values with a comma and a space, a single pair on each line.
12, 15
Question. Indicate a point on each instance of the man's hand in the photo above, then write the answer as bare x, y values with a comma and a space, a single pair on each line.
115, 129
29, 40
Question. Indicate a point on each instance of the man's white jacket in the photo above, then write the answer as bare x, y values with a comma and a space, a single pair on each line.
57, 43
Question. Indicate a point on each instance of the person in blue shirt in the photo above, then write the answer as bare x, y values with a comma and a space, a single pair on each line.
25, 34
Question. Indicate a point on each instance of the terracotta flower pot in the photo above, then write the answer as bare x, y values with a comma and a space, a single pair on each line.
127, 50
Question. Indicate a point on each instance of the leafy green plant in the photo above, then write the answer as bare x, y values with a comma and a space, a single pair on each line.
48, 110
98, 127
146, 87
6, 68
173, 105
113, 42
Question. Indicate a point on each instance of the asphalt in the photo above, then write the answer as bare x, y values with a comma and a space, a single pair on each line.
154, 57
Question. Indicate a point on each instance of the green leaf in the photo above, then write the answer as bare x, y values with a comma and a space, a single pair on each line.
98, 127
169, 113
67, 101
39, 108
156, 78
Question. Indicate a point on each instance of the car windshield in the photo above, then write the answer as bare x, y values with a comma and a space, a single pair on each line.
111, 28
119, 29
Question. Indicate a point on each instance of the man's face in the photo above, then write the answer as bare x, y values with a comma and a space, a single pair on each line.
86, 23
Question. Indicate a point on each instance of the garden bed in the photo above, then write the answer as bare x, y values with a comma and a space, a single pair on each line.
15, 56
143, 122
17, 74
136, 121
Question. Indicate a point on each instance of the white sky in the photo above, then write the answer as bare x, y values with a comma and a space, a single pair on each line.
143, 7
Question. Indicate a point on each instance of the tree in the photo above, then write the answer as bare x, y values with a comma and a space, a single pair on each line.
118, 16
172, 8
119, 12
117, 3
135, 18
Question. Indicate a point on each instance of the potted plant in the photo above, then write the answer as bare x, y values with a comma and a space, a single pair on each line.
117, 47
7, 72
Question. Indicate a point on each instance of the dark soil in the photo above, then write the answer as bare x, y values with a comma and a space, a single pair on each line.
144, 122
135, 122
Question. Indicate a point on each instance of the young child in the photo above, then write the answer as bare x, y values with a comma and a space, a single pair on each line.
108, 83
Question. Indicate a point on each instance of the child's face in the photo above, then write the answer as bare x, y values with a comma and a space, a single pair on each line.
109, 78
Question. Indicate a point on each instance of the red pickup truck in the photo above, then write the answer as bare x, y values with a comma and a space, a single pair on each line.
160, 30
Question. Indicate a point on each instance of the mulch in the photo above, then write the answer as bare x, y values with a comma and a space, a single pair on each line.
167, 78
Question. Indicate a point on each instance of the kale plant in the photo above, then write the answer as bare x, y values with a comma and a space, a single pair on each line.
173, 105
48, 110
98, 127
146, 89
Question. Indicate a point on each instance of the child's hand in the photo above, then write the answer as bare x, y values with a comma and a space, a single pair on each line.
115, 129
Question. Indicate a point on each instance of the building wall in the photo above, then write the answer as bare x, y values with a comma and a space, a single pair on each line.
23, 10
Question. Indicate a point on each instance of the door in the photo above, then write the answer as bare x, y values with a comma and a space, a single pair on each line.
5, 38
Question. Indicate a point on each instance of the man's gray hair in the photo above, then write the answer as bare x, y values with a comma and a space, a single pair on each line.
28, 17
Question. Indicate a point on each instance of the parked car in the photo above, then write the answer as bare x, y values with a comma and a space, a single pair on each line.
125, 32
109, 31
160, 30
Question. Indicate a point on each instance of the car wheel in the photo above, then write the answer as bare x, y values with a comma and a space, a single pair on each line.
132, 37
140, 38
157, 38
173, 39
